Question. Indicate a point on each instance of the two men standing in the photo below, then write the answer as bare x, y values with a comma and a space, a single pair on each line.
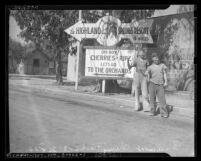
155, 76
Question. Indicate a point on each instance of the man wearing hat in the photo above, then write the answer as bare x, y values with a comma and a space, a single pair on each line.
157, 81
140, 80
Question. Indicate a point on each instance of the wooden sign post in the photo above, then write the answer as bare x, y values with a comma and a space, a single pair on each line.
78, 57
103, 86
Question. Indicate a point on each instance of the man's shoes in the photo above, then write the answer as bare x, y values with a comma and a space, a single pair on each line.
169, 108
137, 108
152, 114
165, 116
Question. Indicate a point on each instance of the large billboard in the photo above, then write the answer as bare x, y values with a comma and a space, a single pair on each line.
109, 63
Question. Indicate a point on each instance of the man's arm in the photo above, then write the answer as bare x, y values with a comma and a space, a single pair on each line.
165, 75
132, 63
165, 78
147, 74
128, 64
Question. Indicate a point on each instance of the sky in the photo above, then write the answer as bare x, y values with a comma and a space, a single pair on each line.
14, 29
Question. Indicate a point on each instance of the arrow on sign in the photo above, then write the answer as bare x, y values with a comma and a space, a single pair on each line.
82, 30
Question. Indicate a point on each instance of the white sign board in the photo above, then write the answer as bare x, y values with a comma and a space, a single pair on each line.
109, 30
109, 63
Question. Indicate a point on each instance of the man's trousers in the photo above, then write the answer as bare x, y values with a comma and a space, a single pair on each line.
157, 90
140, 83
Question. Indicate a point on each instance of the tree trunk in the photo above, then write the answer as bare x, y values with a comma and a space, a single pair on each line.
12, 66
59, 69
67, 68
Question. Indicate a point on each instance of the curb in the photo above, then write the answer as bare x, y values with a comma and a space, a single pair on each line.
122, 103
34, 76
183, 94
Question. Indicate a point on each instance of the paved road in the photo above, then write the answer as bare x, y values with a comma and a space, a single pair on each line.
49, 122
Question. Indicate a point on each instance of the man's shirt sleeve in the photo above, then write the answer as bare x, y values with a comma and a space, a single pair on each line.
164, 67
148, 70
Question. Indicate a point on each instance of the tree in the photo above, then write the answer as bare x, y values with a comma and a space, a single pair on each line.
47, 25
176, 38
16, 53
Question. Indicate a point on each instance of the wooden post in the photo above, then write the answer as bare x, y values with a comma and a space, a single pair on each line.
103, 86
78, 56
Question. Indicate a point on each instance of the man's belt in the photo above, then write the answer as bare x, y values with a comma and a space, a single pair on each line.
140, 71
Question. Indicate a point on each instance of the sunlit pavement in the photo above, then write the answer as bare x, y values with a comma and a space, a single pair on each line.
41, 122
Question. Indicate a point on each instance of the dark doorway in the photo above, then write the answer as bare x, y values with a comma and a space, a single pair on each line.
36, 66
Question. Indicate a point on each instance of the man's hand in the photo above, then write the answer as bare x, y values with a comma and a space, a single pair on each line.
165, 84
128, 64
147, 76
148, 79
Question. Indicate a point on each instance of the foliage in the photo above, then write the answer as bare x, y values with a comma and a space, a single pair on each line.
16, 50
169, 30
176, 39
185, 81
47, 26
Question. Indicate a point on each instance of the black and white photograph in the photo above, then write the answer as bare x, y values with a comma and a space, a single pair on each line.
102, 80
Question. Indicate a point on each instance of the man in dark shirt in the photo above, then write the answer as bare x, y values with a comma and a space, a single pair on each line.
140, 80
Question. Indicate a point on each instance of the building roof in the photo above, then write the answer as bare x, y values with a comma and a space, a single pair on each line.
173, 9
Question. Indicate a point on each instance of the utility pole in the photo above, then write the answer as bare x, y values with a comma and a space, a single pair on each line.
104, 81
78, 56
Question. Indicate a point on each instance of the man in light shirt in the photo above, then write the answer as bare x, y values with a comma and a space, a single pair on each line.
140, 80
